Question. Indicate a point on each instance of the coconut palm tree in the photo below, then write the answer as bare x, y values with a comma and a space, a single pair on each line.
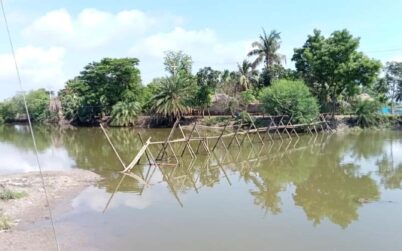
173, 97
266, 49
247, 75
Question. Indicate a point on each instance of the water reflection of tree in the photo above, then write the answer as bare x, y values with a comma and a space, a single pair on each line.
335, 192
391, 176
20, 137
324, 187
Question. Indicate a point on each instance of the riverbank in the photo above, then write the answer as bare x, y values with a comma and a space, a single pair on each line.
27, 218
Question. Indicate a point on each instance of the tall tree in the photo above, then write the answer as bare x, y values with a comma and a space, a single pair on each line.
266, 50
173, 98
178, 61
207, 81
102, 84
333, 66
393, 81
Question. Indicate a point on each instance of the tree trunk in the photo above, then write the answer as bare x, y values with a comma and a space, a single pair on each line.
334, 102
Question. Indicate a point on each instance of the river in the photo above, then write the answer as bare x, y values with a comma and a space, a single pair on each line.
324, 192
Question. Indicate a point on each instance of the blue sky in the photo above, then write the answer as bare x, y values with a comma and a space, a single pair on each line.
55, 39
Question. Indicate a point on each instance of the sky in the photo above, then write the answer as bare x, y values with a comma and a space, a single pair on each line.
54, 40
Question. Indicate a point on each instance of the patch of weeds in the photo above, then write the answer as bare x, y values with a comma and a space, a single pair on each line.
7, 194
5, 222
216, 121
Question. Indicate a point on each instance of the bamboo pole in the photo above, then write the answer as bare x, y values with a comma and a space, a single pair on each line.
220, 136
187, 145
138, 156
111, 144
164, 146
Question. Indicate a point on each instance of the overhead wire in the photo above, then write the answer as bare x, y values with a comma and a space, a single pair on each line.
30, 124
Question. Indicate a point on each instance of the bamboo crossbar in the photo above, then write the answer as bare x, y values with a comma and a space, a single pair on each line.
278, 125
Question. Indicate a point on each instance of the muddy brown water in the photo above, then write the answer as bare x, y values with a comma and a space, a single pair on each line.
339, 192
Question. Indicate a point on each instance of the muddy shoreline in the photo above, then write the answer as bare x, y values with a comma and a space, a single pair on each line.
29, 216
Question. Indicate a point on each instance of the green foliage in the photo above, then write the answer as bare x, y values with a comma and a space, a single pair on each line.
245, 118
333, 66
174, 97
7, 194
247, 97
392, 84
266, 50
291, 98
208, 77
177, 61
247, 75
149, 91
203, 97
100, 86
124, 114
38, 106
216, 121
70, 104
367, 113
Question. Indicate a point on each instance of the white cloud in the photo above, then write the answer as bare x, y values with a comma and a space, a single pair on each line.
397, 58
38, 67
203, 45
58, 44
91, 28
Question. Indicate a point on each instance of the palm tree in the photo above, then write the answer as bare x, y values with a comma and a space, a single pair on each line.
125, 113
266, 49
172, 99
247, 75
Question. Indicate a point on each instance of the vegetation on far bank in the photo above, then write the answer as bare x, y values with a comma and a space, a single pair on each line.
330, 75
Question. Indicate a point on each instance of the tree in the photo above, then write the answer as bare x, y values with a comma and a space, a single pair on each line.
208, 77
247, 75
393, 81
333, 66
291, 98
102, 84
173, 98
38, 107
367, 113
177, 61
266, 50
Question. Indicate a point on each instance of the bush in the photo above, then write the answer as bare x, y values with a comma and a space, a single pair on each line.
7, 194
245, 118
368, 113
247, 97
125, 114
293, 98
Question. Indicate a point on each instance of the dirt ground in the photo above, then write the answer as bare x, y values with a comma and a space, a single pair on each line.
31, 227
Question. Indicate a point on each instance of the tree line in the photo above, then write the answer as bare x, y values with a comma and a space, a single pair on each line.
330, 74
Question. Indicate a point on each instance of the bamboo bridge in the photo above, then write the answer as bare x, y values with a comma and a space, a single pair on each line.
277, 128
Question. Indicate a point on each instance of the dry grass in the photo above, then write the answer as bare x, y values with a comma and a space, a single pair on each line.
5, 222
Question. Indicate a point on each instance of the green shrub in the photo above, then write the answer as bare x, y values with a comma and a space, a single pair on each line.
293, 98
8, 194
125, 114
367, 113
247, 97
245, 117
